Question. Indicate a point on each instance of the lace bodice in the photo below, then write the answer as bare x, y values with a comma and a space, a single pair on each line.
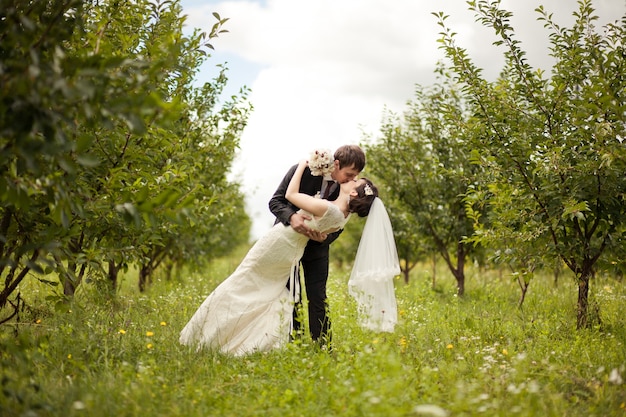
331, 220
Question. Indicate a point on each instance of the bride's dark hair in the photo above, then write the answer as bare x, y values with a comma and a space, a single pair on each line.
361, 205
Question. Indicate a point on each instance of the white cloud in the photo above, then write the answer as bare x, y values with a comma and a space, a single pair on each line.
323, 71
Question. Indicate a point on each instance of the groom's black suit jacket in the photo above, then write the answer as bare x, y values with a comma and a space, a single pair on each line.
283, 209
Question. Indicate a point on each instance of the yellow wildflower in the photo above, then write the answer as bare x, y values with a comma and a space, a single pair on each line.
449, 346
149, 333
122, 331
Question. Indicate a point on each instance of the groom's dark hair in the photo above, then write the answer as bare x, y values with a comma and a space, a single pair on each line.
350, 155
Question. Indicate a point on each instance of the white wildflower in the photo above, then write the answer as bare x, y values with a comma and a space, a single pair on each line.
615, 377
430, 410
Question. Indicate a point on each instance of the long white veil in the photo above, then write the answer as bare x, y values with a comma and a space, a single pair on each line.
376, 263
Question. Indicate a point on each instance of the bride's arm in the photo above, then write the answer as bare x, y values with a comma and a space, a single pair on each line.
315, 206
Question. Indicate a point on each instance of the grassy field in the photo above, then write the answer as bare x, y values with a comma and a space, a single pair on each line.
449, 356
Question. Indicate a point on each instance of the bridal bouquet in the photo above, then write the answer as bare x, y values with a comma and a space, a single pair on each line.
321, 162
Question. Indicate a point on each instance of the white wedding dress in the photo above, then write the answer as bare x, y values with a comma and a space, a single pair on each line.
252, 309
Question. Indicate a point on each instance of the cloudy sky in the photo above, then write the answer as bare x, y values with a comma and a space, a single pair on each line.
322, 72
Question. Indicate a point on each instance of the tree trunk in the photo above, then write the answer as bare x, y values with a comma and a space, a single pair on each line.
556, 278
69, 286
169, 267
460, 281
12, 282
588, 315
144, 274
155, 258
583, 302
458, 270
434, 281
557, 272
72, 281
524, 287
112, 275
4, 227
459, 274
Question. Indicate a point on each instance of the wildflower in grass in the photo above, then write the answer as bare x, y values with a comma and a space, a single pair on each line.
505, 352
121, 331
513, 389
38, 321
615, 377
430, 410
69, 356
374, 400
481, 398
149, 345
78, 405
163, 323
149, 333
449, 346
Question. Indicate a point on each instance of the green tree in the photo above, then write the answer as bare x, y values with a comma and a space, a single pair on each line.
412, 247
424, 162
109, 153
552, 148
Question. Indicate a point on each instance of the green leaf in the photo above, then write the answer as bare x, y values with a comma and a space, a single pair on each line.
88, 161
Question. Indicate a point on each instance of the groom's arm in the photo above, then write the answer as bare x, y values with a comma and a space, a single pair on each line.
279, 205
333, 236
283, 209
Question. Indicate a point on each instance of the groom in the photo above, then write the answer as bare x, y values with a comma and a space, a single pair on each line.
349, 162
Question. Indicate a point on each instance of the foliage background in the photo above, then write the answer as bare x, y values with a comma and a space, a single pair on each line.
111, 155
114, 168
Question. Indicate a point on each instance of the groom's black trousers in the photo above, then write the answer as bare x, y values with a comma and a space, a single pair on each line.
315, 279
314, 264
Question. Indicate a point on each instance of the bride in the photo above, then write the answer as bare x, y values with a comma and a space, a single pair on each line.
252, 309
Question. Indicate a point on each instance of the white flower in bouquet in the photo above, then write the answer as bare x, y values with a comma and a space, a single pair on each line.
321, 162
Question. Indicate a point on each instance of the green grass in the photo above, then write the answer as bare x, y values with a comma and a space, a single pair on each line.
476, 355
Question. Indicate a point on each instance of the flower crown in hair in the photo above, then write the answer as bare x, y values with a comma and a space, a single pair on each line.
321, 162
368, 190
